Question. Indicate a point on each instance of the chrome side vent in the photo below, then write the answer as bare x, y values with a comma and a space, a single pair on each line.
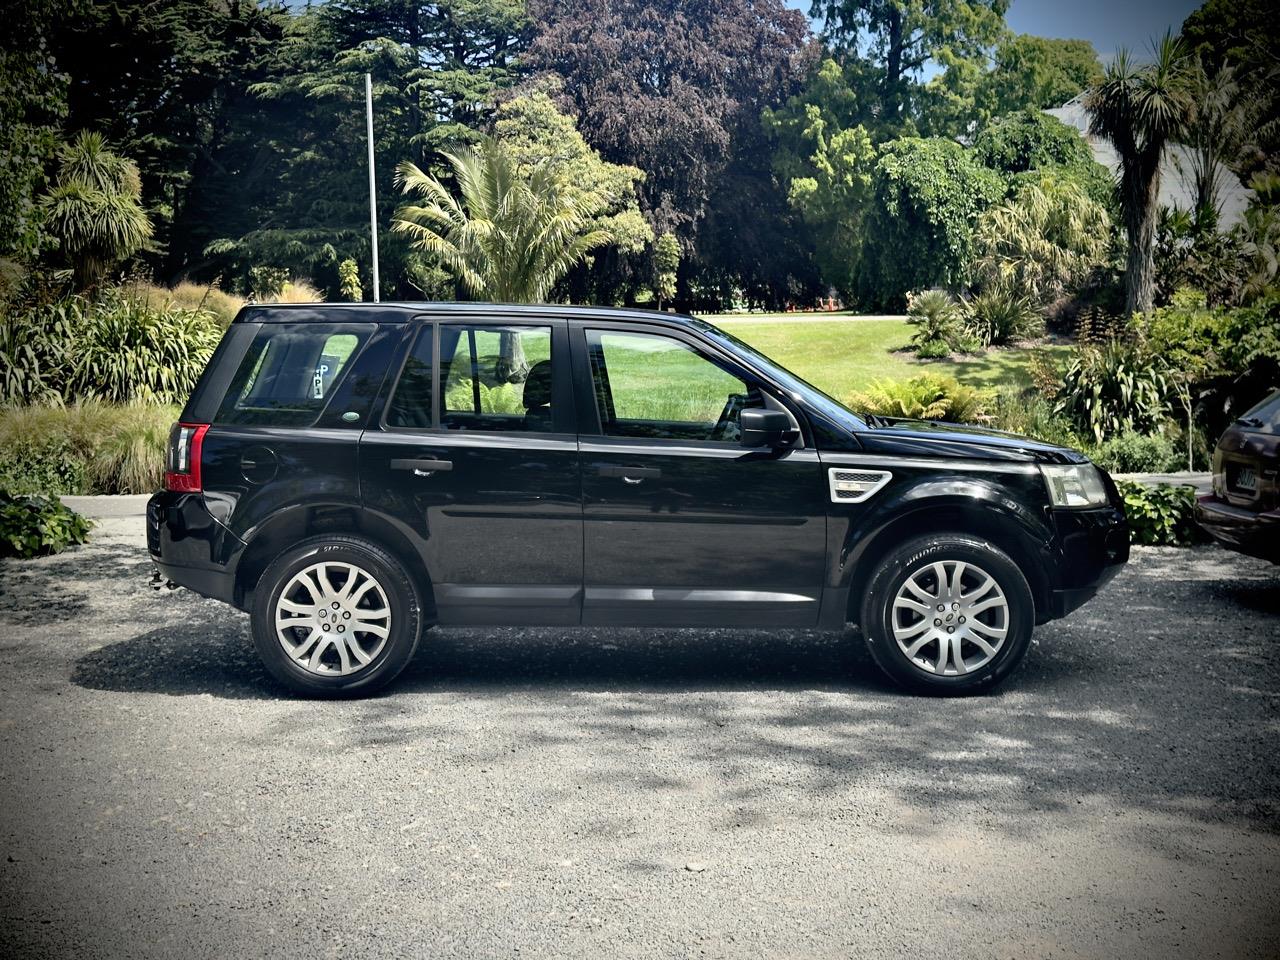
855, 486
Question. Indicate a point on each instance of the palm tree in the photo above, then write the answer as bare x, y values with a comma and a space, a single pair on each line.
94, 208
1042, 241
1259, 233
1138, 109
507, 238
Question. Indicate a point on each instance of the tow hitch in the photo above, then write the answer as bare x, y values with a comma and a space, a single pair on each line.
160, 582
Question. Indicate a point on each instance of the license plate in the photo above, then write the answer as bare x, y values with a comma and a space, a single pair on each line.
1247, 480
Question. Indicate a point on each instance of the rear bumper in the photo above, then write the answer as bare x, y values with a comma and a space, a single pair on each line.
1093, 545
1255, 534
189, 546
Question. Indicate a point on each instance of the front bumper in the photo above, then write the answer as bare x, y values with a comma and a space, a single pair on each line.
1093, 546
188, 545
1255, 534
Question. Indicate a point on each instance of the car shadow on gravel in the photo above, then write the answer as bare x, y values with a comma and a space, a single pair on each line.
1262, 597
216, 657
1092, 715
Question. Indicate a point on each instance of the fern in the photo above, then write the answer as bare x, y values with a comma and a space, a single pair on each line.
926, 397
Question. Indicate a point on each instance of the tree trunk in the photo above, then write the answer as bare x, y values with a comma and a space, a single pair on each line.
512, 365
1140, 188
893, 67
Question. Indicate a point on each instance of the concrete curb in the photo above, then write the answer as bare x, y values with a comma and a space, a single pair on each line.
109, 507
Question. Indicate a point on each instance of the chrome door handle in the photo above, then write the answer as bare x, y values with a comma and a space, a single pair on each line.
422, 468
628, 474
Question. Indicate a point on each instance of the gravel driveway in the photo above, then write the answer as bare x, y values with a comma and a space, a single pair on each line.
614, 793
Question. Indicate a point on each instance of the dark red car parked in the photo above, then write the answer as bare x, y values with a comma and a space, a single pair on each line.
1243, 512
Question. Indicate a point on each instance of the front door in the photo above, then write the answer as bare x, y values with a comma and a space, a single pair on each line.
476, 454
683, 525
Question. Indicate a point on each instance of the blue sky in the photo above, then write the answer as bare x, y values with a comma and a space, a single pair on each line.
1107, 24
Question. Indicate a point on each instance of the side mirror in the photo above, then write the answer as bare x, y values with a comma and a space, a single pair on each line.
762, 427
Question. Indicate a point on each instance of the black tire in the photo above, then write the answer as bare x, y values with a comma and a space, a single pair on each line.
403, 601
917, 557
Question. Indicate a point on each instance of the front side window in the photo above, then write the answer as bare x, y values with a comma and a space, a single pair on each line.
650, 385
289, 372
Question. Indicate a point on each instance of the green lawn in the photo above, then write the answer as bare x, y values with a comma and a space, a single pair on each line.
844, 355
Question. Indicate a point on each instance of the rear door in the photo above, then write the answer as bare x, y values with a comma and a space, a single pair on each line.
476, 454
683, 525
286, 431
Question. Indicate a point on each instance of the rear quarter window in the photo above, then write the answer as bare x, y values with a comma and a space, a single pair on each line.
290, 371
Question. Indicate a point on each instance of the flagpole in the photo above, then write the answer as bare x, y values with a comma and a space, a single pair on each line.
373, 209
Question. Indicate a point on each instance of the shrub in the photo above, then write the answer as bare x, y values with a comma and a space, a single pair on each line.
1131, 452
1029, 143
43, 465
1028, 413
498, 398
998, 317
349, 281
1160, 516
1114, 387
926, 397
84, 448
35, 340
1030, 140
124, 351
110, 347
219, 304
266, 282
1251, 351
933, 350
1185, 256
936, 317
131, 458
295, 291
31, 526
1043, 242
1221, 360
925, 196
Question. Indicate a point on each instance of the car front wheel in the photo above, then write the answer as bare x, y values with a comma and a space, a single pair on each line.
948, 614
335, 616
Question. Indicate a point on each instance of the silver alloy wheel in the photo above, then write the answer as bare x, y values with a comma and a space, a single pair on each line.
950, 618
333, 618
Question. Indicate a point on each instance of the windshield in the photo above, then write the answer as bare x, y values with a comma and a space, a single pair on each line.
802, 389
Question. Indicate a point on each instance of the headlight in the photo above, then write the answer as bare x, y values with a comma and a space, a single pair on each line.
1074, 484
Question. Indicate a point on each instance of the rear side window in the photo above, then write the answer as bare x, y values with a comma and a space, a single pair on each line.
495, 378
290, 371
491, 378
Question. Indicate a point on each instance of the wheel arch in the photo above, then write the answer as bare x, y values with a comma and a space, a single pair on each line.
292, 525
1015, 534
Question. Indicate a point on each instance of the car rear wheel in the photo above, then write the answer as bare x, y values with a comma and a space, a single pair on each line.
335, 616
948, 614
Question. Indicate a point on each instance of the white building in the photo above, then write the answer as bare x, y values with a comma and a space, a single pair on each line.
1176, 187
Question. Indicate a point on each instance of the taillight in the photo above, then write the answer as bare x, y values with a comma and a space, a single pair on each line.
182, 471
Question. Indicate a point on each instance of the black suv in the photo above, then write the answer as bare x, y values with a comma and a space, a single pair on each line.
351, 474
